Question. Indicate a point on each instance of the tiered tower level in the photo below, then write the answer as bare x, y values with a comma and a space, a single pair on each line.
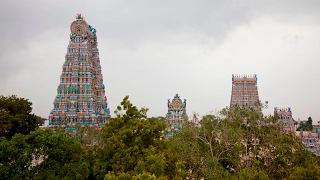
244, 90
176, 115
81, 92
285, 119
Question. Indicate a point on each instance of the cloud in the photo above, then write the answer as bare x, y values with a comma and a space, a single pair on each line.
152, 50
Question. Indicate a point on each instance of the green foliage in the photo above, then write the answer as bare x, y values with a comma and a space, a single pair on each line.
40, 120
238, 142
89, 135
307, 126
190, 150
15, 116
310, 172
135, 147
43, 154
161, 118
254, 172
15, 157
61, 155
210, 150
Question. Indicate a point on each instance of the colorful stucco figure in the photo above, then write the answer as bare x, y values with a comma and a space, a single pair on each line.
81, 92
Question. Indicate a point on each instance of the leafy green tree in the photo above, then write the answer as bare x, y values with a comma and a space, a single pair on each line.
43, 154
303, 173
15, 158
135, 148
40, 120
307, 126
190, 150
210, 149
308, 170
61, 154
236, 142
15, 116
161, 118
253, 173
89, 135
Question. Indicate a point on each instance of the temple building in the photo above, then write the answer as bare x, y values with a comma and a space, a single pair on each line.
310, 140
176, 115
285, 119
81, 92
244, 90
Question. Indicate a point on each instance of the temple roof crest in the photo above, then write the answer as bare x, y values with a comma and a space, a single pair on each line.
79, 17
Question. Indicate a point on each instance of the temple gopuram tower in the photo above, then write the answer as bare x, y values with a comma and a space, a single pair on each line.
176, 115
81, 92
285, 119
244, 90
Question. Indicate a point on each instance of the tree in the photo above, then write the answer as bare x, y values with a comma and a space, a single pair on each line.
211, 149
254, 172
161, 118
42, 154
40, 120
62, 155
307, 126
303, 173
89, 135
236, 142
15, 116
15, 158
135, 148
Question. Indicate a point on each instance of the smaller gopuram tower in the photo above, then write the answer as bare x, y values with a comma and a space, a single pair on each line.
285, 119
176, 115
244, 90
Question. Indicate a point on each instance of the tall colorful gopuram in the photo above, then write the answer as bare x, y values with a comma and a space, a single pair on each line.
81, 92
176, 115
244, 90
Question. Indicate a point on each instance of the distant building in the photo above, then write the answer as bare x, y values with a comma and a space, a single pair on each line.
316, 128
46, 123
176, 115
310, 140
285, 119
244, 90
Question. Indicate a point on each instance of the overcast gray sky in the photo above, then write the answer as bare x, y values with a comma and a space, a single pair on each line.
151, 50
